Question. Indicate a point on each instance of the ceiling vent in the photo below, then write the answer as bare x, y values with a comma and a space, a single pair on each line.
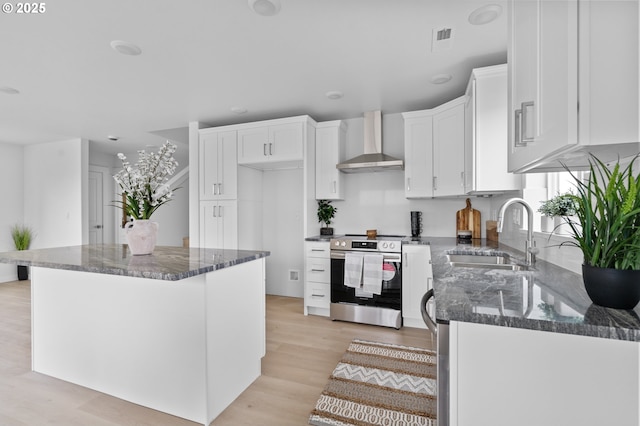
442, 39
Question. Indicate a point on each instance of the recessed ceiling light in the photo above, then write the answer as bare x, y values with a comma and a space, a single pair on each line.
125, 48
334, 94
441, 78
9, 90
485, 14
265, 7
238, 109
113, 138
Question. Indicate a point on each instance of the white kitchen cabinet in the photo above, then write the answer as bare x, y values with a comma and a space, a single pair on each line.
330, 150
317, 279
434, 151
219, 224
218, 165
278, 143
540, 378
485, 156
448, 149
573, 83
417, 279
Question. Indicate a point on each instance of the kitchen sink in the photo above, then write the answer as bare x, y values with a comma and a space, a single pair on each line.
484, 261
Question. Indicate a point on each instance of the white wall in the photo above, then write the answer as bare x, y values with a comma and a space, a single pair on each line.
173, 217
12, 205
55, 192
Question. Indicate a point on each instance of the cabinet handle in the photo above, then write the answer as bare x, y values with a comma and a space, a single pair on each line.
322, 250
317, 270
517, 131
270, 148
317, 295
214, 211
264, 149
462, 179
435, 183
334, 186
408, 184
523, 128
406, 263
214, 188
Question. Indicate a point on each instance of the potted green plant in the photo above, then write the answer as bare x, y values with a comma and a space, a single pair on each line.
326, 212
607, 231
558, 210
22, 237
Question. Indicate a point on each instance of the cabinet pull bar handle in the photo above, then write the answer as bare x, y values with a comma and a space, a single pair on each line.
264, 149
317, 295
322, 250
517, 131
408, 184
435, 183
214, 211
334, 186
523, 128
317, 270
214, 188
270, 148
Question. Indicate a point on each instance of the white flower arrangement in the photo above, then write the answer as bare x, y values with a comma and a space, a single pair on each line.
145, 185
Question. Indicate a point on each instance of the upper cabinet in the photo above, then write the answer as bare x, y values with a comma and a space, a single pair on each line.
330, 149
271, 145
573, 83
433, 151
485, 156
218, 165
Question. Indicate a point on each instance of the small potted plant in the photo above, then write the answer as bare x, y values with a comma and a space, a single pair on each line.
326, 212
607, 231
22, 237
559, 209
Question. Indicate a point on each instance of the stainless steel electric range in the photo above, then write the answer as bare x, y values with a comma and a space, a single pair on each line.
357, 303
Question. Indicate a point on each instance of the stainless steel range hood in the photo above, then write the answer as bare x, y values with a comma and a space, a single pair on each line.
373, 160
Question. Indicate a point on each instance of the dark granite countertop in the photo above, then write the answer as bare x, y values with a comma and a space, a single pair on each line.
545, 298
166, 263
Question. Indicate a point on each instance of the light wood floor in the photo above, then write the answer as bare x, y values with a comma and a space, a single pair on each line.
301, 353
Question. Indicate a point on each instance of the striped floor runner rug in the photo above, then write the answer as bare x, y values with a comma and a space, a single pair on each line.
379, 384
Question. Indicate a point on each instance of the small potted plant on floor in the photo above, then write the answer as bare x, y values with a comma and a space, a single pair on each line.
326, 212
607, 230
22, 237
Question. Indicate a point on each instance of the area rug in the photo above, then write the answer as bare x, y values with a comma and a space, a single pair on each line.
379, 384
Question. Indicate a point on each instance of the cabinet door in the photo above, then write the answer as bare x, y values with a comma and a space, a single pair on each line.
208, 166
285, 142
448, 151
253, 145
418, 166
227, 166
417, 279
330, 141
219, 224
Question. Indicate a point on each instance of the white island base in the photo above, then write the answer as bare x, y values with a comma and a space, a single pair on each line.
186, 347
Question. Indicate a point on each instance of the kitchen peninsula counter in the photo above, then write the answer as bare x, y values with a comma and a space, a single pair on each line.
181, 331
528, 347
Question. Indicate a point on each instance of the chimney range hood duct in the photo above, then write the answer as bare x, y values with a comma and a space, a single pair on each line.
373, 160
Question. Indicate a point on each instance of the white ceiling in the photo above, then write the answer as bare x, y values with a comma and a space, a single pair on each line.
202, 57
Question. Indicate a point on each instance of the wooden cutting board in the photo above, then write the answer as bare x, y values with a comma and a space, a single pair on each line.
468, 219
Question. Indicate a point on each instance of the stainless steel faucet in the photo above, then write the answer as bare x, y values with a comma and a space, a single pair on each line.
529, 250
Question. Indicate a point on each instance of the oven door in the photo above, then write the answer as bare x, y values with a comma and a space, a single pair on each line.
389, 297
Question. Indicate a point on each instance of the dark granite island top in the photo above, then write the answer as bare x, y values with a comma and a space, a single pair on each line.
166, 263
545, 298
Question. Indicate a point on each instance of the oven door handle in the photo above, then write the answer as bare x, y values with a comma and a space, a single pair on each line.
386, 257
431, 325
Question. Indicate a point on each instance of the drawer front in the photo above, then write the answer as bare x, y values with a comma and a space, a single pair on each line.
318, 295
317, 249
318, 270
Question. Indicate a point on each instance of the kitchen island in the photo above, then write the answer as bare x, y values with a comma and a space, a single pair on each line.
181, 331
528, 347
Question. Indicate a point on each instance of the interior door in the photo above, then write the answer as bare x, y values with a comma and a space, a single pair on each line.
96, 228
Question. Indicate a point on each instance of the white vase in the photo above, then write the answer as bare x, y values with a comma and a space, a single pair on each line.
141, 236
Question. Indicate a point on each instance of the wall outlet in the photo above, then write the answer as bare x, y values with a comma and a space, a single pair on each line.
294, 275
